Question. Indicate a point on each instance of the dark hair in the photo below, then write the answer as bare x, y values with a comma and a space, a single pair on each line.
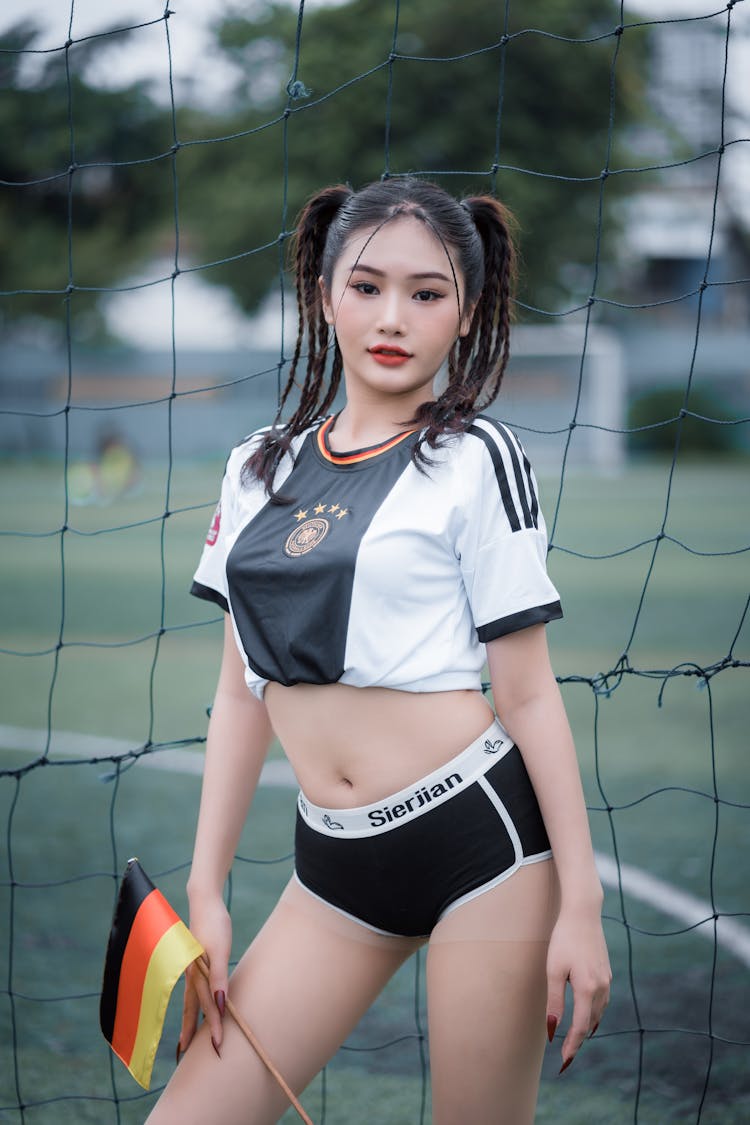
476, 230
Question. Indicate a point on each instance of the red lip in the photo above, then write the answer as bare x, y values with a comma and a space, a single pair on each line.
389, 357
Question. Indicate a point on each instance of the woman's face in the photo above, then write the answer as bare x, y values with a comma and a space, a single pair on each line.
397, 307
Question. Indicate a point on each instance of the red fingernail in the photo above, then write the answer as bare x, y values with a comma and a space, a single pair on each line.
178, 1052
552, 1022
565, 1065
593, 1031
215, 1046
221, 1000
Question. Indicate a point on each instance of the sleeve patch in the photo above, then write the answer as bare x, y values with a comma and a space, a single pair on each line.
213, 531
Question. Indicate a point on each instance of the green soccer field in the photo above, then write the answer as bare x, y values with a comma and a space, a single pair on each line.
101, 641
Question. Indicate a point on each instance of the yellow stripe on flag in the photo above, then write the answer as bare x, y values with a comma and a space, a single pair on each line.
172, 954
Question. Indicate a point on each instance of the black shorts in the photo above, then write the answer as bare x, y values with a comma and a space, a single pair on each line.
398, 865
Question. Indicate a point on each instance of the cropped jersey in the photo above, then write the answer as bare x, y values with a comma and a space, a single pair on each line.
378, 573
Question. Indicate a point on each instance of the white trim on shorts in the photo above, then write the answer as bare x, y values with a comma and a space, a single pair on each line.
521, 859
345, 913
423, 795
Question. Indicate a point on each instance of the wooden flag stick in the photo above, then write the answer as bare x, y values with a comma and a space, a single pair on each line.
259, 1050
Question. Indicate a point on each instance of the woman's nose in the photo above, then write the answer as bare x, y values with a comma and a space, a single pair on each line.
391, 315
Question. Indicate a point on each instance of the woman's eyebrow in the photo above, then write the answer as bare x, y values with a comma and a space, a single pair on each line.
434, 274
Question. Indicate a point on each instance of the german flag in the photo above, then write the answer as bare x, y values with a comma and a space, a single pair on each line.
149, 949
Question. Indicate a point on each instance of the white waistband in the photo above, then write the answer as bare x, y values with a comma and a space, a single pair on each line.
427, 793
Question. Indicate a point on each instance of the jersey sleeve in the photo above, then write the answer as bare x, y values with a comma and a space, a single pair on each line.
210, 578
503, 544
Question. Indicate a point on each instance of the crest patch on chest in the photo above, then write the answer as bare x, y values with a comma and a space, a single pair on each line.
306, 536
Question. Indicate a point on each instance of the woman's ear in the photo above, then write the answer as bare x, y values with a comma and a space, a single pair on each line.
326, 302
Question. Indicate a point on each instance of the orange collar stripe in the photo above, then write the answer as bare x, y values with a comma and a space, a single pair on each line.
359, 455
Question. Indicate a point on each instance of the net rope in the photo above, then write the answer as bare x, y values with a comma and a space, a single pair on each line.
19, 1102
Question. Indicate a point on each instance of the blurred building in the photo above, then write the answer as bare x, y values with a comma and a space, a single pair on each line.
690, 224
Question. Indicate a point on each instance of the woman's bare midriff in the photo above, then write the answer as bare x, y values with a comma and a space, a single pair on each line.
351, 746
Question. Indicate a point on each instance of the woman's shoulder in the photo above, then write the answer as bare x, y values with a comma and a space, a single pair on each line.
244, 449
250, 442
241, 453
484, 440
484, 427
278, 430
489, 463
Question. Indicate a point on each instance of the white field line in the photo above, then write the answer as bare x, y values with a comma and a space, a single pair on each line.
69, 745
636, 883
683, 907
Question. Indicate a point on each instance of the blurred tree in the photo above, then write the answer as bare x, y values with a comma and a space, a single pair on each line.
107, 178
454, 93
467, 94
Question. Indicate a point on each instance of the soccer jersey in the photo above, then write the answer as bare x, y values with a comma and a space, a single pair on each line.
379, 572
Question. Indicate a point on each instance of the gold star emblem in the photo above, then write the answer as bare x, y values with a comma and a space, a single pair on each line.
333, 508
300, 515
319, 508
342, 512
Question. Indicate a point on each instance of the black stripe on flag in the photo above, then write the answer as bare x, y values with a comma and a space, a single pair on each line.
136, 886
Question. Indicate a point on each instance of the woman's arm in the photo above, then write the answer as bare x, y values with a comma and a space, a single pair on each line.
530, 707
239, 734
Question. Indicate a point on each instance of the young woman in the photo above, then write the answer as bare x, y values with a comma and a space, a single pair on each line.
371, 562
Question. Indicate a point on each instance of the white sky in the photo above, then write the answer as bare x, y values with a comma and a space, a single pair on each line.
191, 56
192, 60
206, 316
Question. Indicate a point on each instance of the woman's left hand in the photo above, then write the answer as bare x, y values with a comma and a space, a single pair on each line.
577, 955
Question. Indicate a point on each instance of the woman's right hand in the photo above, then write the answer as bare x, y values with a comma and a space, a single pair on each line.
211, 925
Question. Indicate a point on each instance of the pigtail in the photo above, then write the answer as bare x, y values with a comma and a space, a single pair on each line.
477, 362
309, 245
486, 348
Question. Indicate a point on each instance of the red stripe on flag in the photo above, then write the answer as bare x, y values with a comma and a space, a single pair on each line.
155, 916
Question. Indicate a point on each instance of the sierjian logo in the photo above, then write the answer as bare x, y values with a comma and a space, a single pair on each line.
493, 747
332, 824
422, 795
302, 804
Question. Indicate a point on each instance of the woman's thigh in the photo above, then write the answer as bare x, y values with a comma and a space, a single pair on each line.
487, 995
302, 986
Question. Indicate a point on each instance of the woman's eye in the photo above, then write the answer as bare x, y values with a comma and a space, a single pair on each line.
427, 295
365, 287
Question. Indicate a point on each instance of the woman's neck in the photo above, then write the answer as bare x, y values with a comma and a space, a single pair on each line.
360, 425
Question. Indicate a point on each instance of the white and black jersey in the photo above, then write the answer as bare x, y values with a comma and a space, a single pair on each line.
379, 574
